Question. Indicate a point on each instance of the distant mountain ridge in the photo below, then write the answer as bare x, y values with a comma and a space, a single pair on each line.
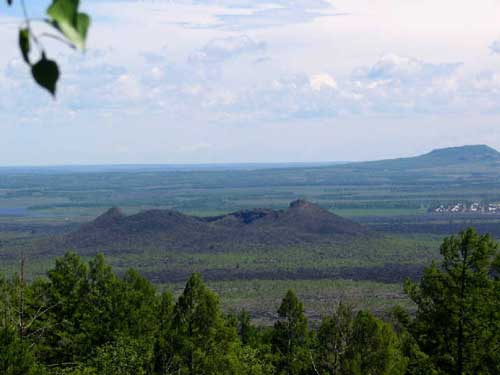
464, 153
443, 157
301, 223
459, 155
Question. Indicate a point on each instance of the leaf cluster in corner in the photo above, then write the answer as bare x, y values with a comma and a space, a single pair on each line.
65, 18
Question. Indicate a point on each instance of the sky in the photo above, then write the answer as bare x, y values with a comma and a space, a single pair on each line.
231, 81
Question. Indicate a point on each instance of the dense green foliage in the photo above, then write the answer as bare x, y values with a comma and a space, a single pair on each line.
458, 316
84, 319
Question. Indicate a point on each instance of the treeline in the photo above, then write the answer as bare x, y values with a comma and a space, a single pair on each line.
82, 319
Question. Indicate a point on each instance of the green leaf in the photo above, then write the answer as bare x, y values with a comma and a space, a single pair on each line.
46, 73
82, 25
65, 17
24, 44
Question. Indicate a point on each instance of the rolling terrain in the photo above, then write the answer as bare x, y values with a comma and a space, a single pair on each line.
407, 186
362, 223
301, 242
301, 224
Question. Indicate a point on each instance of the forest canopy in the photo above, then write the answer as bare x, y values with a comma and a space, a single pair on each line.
82, 318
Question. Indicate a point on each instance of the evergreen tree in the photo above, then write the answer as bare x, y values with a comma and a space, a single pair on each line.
21, 309
16, 358
374, 348
164, 345
492, 359
457, 321
291, 338
138, 310
102, 304
67, 288
203, 343
418, 363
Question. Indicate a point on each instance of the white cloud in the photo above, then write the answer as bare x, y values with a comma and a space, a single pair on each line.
392, 85
157, 73
393, 67
129, 87
221, 49
248, 14
218, 64
495, 46
488, 82
322, 81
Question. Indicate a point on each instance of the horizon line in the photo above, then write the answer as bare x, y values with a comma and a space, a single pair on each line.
221, 164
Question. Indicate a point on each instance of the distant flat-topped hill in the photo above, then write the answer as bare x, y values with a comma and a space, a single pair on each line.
471, 153
301, 223
466, 156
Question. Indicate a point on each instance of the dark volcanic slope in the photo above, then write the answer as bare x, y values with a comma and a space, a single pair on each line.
301, 223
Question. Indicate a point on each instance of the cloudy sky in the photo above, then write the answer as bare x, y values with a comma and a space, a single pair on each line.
207, 81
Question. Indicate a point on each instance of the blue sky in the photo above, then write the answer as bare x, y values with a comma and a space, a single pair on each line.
207, 81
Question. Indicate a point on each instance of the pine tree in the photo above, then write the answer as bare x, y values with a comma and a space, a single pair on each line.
291, 338
63, 340
374, 348
457, 321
